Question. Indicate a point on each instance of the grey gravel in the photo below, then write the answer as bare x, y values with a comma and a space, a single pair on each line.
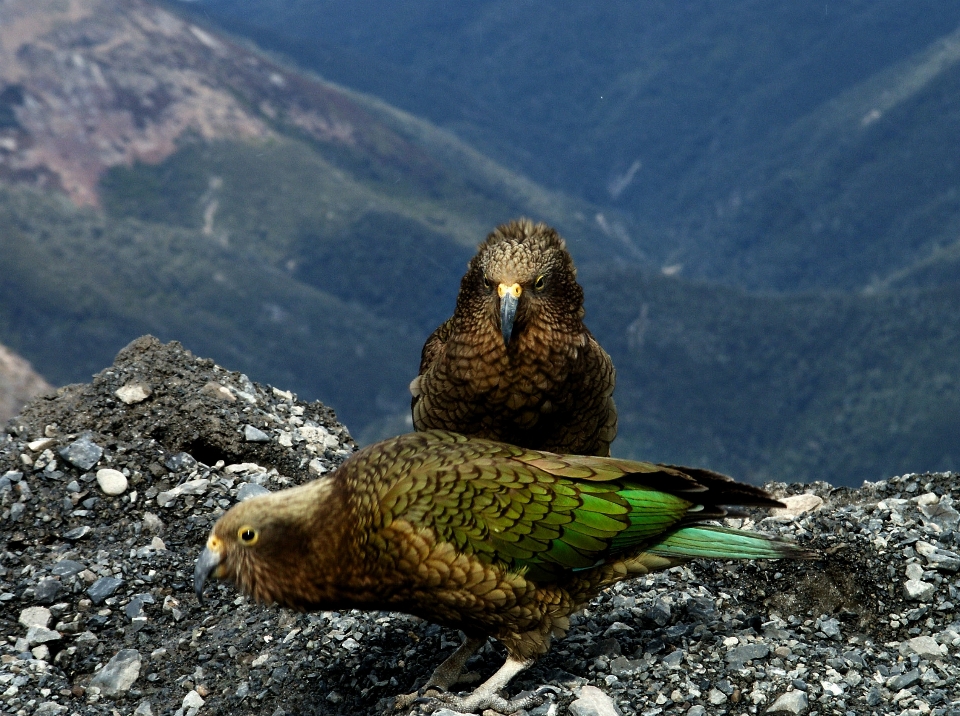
833, 636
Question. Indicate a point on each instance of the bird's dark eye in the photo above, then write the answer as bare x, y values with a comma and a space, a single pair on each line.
488, 282
540, 282
247, 535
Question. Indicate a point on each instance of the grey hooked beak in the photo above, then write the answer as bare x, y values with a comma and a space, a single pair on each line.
509, 298
207, 562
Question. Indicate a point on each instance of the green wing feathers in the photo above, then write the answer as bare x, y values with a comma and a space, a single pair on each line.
547, 514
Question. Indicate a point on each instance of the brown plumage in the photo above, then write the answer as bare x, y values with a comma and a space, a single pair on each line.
488, 538
515, 361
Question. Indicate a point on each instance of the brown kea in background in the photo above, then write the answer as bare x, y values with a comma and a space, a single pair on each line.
515, 362
492, 539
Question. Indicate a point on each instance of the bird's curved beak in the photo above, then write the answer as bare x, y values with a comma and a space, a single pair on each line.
509, 298
207, 563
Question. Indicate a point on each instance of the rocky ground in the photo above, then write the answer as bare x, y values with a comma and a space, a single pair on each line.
108, 489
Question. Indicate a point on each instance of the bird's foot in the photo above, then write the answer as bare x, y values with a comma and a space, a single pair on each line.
431, 692
422, 695
476, 703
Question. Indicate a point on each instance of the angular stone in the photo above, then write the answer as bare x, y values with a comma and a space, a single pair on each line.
119, 674
133, 608
192, 700
66, 568
797, 505
82, 453
925, 647
251, 489
35, 616
77, 533
658, 613
918, 590
41, 635
243, 468
792, 702
747, 652
190, 487
591, 701
673, 659
914, 571
151, 523
112, 482
903, 681
716, 697
103, 588
133, 393
47, 590
50, 708
180, 461
831, 688
943, 514
254, 435
831, 627
622, 666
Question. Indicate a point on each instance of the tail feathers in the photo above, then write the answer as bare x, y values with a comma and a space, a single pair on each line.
721, 543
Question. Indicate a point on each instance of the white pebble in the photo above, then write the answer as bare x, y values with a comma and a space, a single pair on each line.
132, 393
112, 482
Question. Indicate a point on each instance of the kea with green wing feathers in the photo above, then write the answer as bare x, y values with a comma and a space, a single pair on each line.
489, 538
515, 361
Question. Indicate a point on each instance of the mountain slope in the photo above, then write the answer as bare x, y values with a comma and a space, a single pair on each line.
18, 383
828, 387
776, 145
275, 221
79, 286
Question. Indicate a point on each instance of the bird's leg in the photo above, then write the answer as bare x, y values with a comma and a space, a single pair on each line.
485, 696
448, 673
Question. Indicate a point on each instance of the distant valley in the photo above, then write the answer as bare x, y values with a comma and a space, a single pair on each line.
161, 177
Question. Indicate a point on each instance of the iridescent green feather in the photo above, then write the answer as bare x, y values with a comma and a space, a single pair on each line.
545, 514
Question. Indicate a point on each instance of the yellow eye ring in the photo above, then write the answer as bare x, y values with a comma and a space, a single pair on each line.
247, 535
540, 282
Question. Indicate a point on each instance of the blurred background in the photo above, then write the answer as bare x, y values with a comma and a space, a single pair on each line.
763, 200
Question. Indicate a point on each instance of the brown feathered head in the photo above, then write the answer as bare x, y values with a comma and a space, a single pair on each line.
522, 274
267, 546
